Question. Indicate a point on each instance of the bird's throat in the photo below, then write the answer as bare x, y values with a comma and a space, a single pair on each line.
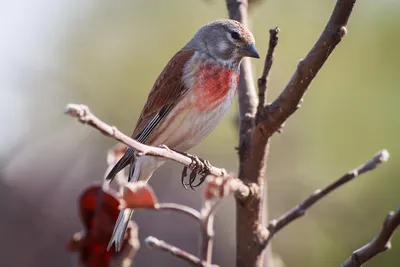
213, 85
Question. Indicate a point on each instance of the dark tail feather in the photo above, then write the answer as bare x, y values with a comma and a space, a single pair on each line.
126, 159
120, 227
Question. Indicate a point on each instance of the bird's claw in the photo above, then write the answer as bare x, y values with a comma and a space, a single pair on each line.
183, 176
198, 166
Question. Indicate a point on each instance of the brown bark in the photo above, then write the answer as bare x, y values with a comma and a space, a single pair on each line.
254, 138
379, 244
248, 212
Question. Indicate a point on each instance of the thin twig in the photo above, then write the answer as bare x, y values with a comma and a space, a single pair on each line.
298, 211
155, 243
207, 228
262, 82
291, 97
85, 116
377, 245
179, 208
215, 190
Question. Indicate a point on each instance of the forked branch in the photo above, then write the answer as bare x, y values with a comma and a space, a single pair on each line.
377, 245
298, 211
290, 98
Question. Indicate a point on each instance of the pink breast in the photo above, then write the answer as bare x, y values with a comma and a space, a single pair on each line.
212, 86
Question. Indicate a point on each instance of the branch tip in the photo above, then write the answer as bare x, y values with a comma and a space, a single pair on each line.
76, 110
383, 155
155, 243
378, 244
298, 211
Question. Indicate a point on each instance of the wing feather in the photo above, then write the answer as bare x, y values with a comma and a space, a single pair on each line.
166, 92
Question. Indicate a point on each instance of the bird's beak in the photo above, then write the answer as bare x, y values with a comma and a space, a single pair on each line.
250, 50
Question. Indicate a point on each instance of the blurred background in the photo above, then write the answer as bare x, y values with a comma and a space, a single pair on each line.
107, 55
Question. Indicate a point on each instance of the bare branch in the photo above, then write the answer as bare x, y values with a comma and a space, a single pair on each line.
298, 211
290, 98
252, 158
218, 186
85, 116
377, 245
247, 92
262, 82
179, 208
207, 224
155, 243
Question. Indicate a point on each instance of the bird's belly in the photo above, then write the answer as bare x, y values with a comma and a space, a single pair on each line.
187, 125
201, 109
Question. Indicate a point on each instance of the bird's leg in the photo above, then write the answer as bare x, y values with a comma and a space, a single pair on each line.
204, 172
198, 166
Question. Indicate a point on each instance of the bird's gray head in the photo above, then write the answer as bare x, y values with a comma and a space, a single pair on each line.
225, 40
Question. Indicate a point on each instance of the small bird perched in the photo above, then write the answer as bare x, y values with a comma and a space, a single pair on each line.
188, 100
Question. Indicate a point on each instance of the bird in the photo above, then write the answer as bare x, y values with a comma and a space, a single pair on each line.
187, 101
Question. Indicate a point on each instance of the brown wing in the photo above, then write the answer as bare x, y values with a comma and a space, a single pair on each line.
166, 91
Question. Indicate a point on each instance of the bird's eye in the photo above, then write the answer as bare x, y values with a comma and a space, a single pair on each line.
235, 35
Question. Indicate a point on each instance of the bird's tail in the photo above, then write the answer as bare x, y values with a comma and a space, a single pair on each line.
125, 160
140, 170
119, 229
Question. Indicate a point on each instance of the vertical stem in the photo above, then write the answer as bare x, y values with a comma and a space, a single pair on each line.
252, 158
208, 241
207, 230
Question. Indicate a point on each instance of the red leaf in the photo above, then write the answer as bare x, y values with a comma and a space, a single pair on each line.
138, 195
98, 211
95, 199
